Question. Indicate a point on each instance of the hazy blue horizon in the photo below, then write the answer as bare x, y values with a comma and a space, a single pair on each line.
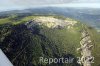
6, 5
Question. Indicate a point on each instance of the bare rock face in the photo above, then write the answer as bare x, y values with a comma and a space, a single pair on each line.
51, 22
86, 48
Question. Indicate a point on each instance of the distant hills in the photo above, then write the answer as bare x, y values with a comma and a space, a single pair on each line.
87, 15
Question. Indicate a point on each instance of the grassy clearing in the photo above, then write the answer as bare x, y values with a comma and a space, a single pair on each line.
4, 20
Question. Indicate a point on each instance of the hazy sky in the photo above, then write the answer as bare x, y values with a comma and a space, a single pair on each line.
20, 4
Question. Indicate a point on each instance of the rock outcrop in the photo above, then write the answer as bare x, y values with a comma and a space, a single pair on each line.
51, 22
86, 46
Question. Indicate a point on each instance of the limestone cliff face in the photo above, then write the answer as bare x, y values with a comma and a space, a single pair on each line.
51, 22
86, 45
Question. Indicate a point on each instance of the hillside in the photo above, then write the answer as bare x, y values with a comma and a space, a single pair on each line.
26, 39
85, 15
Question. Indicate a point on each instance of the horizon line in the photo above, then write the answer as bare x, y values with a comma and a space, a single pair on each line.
71, 5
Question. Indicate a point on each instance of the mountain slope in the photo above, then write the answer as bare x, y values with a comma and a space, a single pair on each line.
24, 44
82, 14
